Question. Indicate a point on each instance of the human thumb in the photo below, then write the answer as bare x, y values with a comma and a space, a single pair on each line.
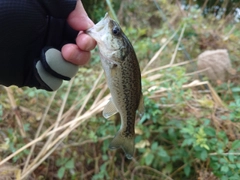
78, 18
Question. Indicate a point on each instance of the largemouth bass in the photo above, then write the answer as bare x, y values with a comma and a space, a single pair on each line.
123, 75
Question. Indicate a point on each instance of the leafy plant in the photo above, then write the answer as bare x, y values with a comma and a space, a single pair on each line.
65, 164
185, 133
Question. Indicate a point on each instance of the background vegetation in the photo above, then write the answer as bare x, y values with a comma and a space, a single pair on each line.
190, 129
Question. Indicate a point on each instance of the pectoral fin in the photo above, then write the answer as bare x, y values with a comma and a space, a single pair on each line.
141, 106
109, 110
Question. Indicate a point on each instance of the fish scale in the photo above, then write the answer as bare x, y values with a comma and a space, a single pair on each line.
123, 75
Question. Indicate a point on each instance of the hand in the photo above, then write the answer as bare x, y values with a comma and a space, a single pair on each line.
79, 53
52, 68
34, 27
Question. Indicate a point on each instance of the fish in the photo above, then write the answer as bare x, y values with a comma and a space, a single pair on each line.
123, 77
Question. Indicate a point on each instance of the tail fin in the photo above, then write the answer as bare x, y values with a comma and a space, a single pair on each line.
126, 143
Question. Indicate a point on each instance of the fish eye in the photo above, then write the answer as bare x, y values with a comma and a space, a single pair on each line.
116, 30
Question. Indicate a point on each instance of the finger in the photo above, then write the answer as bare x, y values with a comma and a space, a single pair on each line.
85, 42
78, 18
73, 54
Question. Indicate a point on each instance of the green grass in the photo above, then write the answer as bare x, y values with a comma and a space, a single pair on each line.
190, 128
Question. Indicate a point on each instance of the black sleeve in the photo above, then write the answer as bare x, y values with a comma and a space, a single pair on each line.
26, 27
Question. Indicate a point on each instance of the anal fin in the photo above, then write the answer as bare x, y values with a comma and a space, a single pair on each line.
126, 143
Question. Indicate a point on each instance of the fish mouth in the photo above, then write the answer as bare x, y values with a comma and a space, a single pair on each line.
98, 29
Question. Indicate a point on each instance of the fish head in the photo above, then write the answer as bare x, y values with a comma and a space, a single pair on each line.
112, 42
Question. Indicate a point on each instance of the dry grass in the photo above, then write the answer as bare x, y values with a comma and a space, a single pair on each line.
68, 120
55, 134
